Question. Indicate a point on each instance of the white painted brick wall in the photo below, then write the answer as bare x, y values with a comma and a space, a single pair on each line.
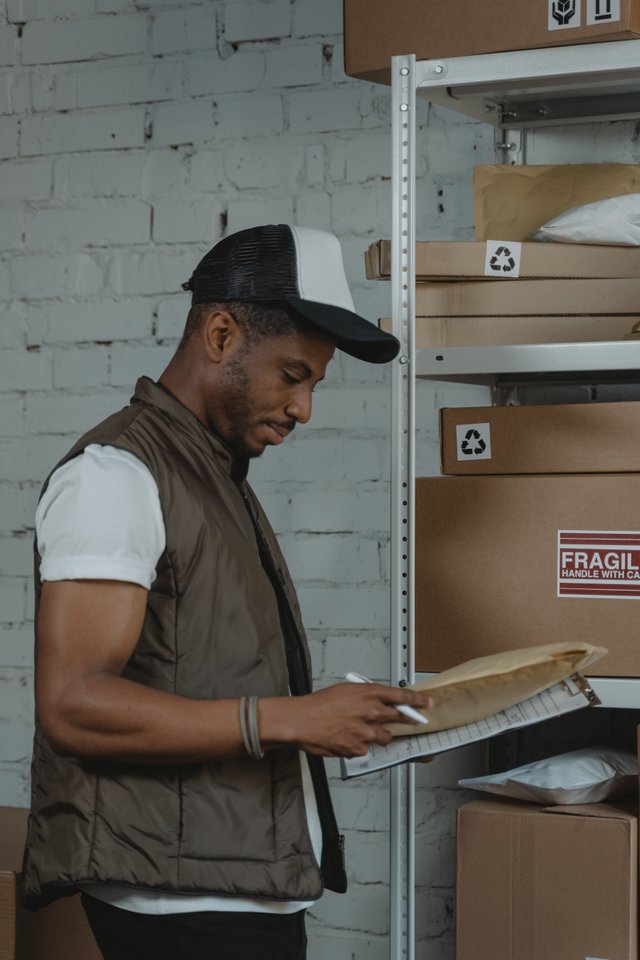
239, 72
12, 600
82, 367
184, 30
16, 650
8, 137
100, 223
51, 322
65, 41
107, 85
8, 38
131, 135
290, 66
253, 116
257, 20
317, 19
35, 277
109, 129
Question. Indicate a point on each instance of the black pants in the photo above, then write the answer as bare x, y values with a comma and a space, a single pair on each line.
123, 935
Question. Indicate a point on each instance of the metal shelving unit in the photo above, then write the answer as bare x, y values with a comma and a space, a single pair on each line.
512, 91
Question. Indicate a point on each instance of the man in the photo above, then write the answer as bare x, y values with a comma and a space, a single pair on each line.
177, 771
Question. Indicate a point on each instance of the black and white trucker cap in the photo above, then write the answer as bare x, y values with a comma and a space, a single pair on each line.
300, 266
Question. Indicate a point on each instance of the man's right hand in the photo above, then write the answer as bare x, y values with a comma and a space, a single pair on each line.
339, 721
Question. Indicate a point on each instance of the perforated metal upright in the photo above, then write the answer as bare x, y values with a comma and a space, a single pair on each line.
402, 941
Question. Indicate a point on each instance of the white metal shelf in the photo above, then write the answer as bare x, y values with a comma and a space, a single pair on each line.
524, 88
619, 692
613, 692
599, 362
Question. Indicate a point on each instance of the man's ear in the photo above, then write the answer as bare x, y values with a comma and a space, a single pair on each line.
220, 333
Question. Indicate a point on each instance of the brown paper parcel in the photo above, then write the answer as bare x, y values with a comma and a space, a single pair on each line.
479, 688
512, 202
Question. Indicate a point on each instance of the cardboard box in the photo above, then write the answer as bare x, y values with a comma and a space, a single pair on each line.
554, 438
546, 883
376, 30
510, 562
470, 298
489, 331
57, 932
512, 202
450, 260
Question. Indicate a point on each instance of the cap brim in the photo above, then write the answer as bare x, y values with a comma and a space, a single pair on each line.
354, 335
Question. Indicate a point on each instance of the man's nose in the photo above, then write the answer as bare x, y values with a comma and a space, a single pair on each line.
300, 405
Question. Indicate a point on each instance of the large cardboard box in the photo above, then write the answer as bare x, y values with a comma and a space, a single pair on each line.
553, 438
513, 201
59, 931
554, 883
489, 331
523, 298
450, 260
509, 562
375, 30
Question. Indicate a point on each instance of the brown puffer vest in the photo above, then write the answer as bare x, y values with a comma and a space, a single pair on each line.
212, 630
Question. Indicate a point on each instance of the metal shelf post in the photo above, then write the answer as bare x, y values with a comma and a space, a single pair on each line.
402, 938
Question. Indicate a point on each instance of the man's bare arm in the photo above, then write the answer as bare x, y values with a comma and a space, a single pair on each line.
87, 631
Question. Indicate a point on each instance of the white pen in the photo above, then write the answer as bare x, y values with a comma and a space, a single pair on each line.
402, 707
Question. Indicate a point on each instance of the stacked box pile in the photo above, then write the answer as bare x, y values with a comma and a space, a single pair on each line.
533, 533
493, 292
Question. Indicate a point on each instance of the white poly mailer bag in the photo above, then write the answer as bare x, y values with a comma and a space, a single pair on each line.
588, 775
612, 221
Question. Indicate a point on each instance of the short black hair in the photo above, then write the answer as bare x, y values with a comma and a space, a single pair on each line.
271, 318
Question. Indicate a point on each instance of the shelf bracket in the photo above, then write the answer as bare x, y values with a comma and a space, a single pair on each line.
509, 145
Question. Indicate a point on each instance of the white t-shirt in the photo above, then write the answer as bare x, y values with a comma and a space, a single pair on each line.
100, 519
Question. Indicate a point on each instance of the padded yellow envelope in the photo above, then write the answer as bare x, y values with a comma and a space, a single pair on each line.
479, 688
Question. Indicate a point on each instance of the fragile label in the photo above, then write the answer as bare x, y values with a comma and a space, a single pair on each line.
563, 14
473, 441
599, 563
602, 11
502, 259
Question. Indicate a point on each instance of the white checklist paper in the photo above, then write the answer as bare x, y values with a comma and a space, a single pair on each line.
571, 694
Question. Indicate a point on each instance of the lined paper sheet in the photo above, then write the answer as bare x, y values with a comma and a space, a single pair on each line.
564, 697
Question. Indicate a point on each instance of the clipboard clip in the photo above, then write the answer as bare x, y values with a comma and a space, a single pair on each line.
576, 684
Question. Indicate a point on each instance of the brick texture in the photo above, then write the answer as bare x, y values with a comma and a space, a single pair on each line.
132, 135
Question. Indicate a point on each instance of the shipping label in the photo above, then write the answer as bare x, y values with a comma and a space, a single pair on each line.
599, 563
502, 259
473, 441
563, 14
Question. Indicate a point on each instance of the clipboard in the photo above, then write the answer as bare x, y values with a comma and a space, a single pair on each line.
572, 693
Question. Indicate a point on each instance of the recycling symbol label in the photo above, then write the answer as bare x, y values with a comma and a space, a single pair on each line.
473, 441
502, 259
